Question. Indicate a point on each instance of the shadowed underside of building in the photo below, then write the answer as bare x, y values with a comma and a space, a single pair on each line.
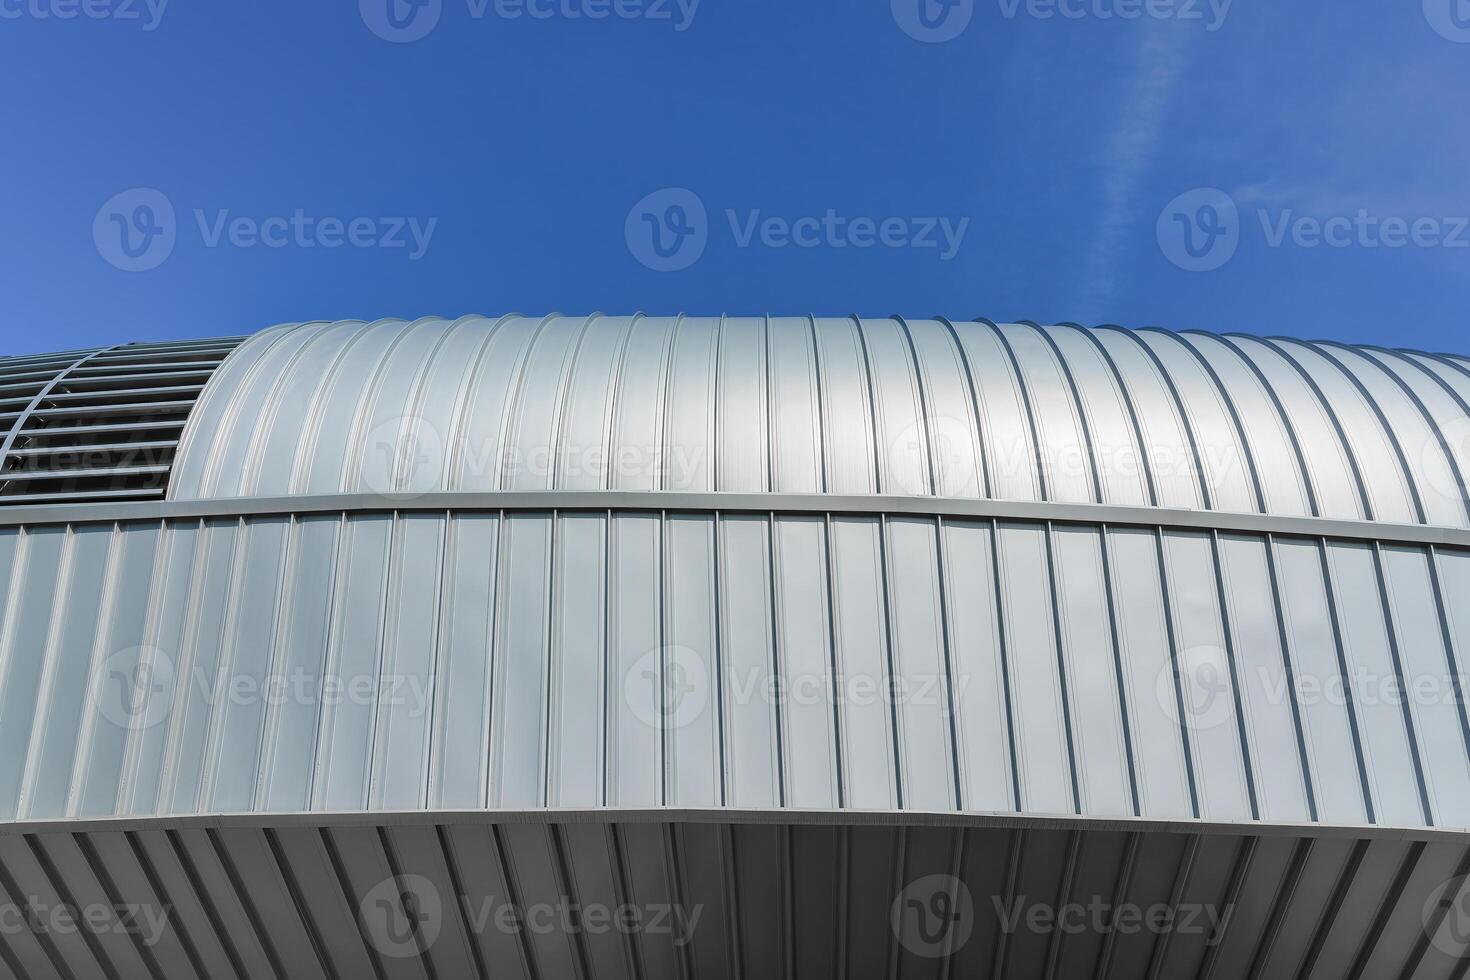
676, 647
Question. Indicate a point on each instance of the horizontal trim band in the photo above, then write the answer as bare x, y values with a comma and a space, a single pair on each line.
752, 503
1008, 820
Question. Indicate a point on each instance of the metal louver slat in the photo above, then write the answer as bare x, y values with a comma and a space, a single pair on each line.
99, 425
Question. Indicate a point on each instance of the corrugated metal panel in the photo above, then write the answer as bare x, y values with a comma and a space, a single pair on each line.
593, 658
656, 899
892, 406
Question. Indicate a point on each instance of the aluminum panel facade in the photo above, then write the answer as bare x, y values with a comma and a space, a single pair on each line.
592, 658
770, 622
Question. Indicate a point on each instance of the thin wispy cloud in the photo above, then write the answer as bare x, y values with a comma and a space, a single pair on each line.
1163, 55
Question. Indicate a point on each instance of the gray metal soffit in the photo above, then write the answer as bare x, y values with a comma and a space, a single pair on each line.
648, 898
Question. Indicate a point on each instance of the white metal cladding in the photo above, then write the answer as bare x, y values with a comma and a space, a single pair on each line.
453, 896
838, 405
511, 660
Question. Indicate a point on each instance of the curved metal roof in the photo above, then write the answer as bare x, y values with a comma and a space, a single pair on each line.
841, 406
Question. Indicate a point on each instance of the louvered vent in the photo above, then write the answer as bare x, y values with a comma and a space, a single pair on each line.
99, 424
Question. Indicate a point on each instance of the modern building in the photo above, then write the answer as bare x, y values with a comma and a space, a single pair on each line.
626, 647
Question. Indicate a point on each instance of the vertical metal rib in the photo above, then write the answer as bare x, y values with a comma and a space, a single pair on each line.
1065, 890
981, 423
1240, 870
1410, 729
1174, 669
921, 385
1329, 588
1127, 396
1182, 876
1332, 417
1280, 908
1388, 430
1056, 625
1094, 463
1119, 673
1235, 420
1185, 422
1386, 909
1287, 425
1371, 354
299, 903
1328, 918
1435, 919
1042, 468
1308, 783
1226, 630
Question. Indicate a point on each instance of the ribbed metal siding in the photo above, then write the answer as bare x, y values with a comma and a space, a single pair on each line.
716, 899
811, 405
99, 424
589, 659
721, 899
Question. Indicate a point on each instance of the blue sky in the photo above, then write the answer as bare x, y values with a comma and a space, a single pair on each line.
1295, 168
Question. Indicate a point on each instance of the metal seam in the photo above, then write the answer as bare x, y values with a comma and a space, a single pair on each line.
1371, 354
872, 413
979, 440
1079, 407
920, 385
1186, 422
1303, 756
1060, 649
1227, 632
1042, 468
1288, 426
1324, 403
1119, 674
1167, 607
1229, 403
1329, 589
1127, 398
1390, 434
1411, 729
